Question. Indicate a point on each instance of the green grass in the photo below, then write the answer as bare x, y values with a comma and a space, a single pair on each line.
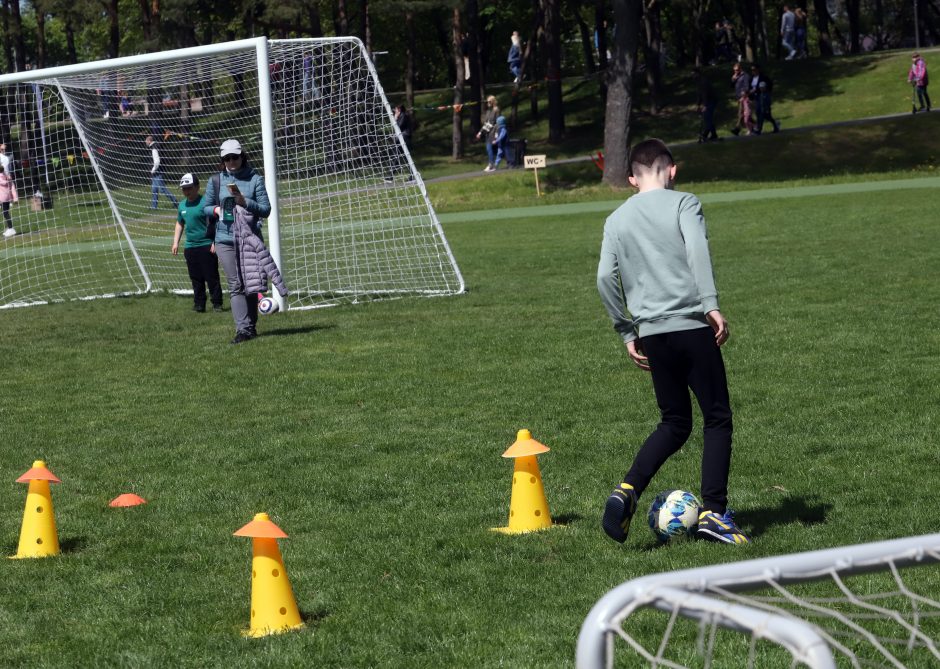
373, 435
889, 149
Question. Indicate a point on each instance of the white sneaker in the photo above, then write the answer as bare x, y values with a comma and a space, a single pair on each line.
488, 168
9, 232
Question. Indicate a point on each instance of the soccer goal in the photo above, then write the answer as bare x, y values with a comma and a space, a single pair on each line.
855, 606
350, 222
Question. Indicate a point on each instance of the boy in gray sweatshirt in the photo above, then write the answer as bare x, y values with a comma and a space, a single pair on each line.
655, 280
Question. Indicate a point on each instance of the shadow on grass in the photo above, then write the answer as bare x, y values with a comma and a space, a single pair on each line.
67, 545
306, 329
806, 511
566, 518
315, 617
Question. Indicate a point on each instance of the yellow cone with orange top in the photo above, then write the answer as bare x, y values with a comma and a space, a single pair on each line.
273, 607
528, 508
38, 536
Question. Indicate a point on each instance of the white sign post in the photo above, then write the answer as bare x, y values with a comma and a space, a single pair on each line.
534, 163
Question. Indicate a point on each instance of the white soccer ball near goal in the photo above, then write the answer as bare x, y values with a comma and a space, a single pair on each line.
267, 305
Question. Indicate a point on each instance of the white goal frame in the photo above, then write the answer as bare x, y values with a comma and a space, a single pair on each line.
691, 594
455, 283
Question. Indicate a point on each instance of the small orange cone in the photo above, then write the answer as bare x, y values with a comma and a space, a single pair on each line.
528, 508
273, 607
38, 536
127, 499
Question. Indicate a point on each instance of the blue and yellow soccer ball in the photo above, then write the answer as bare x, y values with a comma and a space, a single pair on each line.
674, 515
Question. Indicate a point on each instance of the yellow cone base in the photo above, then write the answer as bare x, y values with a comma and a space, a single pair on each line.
528, 508
273, 607
38, 536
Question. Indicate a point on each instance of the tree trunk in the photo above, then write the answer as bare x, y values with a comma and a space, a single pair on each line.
71, 51
748, 9
556, 108
365, 25
340, 18
699, 12
40, 34
457, 135
627, 16
652, 52
114, 28
852, 9
16, 36
822, 28
410, 63
587, 45
313, 15
762, 30
471, 31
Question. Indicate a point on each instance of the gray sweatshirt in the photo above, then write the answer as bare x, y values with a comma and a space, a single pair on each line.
655, 272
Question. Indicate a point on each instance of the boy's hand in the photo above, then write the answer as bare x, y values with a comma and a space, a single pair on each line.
719, 325
635, 349
174, 248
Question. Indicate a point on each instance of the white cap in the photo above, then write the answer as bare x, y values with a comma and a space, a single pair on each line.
187, 180
230, 147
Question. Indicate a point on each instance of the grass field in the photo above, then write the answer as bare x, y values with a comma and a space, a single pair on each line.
373, 434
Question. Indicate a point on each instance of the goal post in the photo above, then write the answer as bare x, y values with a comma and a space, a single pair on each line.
350, 217
850, 604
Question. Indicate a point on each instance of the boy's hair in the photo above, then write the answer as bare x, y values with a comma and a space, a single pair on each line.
648, 154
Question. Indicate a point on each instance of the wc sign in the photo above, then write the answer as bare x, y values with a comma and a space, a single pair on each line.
534, 163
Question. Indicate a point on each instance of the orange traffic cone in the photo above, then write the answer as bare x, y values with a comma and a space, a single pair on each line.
273, 607
528, 508
38, 536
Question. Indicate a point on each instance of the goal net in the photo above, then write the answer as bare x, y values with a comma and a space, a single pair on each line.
855, 606
350, 220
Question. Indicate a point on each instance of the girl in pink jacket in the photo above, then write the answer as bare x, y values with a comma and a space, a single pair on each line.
917, 77
8, 195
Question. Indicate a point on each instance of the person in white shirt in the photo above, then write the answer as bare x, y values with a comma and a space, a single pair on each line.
157, 184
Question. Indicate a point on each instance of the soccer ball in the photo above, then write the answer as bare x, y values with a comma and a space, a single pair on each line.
674, 515
267, 305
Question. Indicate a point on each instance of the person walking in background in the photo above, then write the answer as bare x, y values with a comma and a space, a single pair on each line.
707, 101
762, 87
201, 261
515, 56
742, 89
500, 142
917, 77
488, 131
237, 191
157, 184
656, 282
801, 18
8, 196
788, 31
403, 121
4, 158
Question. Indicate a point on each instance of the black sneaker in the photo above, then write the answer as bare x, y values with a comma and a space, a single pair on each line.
217, 308
199, 310
618, 512
242, 336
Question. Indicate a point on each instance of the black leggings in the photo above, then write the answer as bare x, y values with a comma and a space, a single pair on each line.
6, 214
680, 361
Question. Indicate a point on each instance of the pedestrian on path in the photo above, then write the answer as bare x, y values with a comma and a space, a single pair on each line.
917, 77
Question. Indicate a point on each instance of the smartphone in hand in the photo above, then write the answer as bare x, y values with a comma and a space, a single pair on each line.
233, 189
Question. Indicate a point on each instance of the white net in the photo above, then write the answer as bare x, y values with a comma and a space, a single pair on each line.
95, 219
870, 612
